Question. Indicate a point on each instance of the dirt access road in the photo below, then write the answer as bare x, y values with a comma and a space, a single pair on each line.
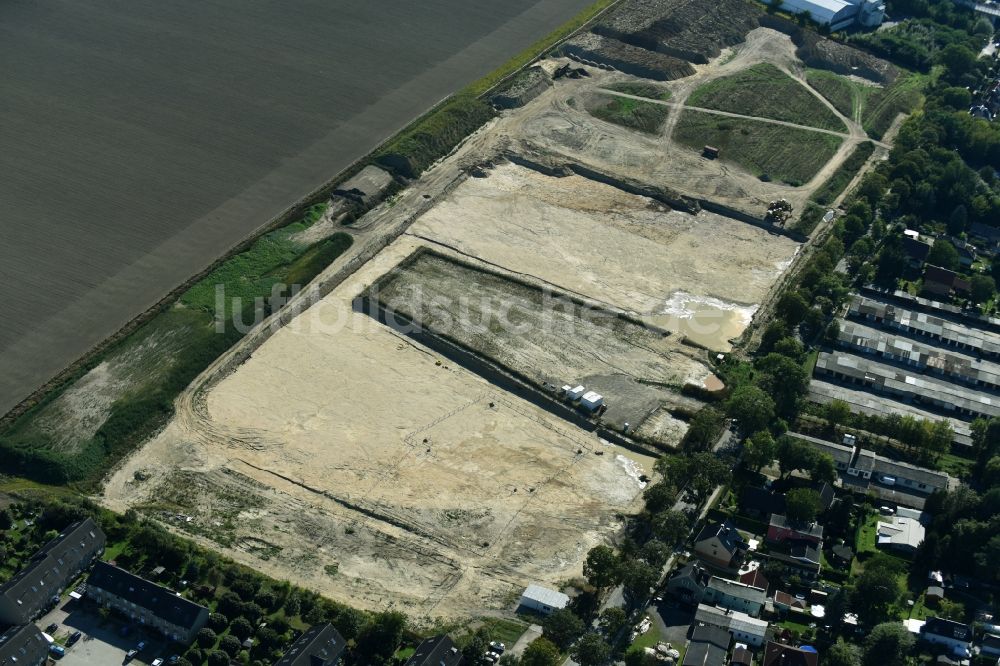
330, 450
557, 124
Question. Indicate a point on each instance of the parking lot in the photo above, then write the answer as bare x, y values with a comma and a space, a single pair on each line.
102, 643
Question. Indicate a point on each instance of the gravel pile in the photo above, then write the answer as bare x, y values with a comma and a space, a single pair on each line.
627, 58
694, 30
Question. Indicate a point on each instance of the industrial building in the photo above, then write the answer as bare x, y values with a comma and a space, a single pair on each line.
839, 14
863, 402
542, 599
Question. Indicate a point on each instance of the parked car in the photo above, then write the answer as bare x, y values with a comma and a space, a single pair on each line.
52, 628
886, 510
157, 662
74, 637
174, 658
57, 650
498, 647
130, 655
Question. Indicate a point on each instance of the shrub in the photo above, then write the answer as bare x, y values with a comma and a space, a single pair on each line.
230, 645
206, 638
218, 622
218, 658
241, 627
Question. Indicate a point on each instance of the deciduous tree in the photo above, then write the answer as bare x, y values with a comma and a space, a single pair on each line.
601, 568
562, 627
591, 650
888, 644
541, 652
802, 504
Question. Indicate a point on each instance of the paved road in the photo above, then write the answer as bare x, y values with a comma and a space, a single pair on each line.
616, 597
533, 632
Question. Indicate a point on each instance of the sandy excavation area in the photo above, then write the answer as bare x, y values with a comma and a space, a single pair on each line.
347, 458
701, 275
546, 337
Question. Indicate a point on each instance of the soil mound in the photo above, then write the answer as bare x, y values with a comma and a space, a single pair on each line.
690, 29
627, 58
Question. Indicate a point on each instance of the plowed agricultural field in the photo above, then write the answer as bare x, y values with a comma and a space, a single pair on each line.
141, 140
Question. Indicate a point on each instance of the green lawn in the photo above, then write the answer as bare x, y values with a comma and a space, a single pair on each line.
868, 535
649, 639
147, 369
639, 89
955, 465
769, 151
883, 104
505, 631
846, 95
766, 92
632, 113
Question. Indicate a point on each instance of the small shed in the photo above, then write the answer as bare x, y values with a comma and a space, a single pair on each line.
592, 401
710, 152
934, 594
542, 599
576, 392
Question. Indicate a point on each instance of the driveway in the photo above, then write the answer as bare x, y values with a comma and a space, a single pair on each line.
533, 632
101, 644
672, 620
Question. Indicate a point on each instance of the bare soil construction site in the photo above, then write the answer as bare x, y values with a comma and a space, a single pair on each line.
439, 471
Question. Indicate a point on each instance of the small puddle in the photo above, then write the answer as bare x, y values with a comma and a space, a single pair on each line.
710, 322
632, 469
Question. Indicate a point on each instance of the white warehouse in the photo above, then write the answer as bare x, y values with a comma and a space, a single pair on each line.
838, 14
542, 599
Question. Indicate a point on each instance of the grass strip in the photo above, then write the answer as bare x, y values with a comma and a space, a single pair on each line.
764, 91
632, 113
832, 188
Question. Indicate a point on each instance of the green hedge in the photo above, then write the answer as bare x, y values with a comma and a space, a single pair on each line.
435, 135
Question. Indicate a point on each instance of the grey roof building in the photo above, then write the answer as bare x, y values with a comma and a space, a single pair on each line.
863, 402
925, 357
912, 476
921, 324
319, 645
146, 602
902, 534
742, 627
688, 583
51, 569
436, 651
709, 646
734, 595
23, 645
720, 545
954, 399
841, 454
